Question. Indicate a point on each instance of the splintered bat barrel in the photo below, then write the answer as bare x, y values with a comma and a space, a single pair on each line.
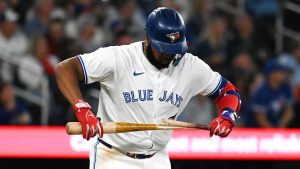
175, 123
74, 128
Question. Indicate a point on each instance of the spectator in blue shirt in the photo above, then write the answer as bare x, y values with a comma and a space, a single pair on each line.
12, 111
272, 103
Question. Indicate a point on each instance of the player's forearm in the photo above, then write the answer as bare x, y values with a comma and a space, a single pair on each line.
67, 77
287, 117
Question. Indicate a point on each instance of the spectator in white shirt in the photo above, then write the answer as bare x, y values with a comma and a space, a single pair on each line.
13, 43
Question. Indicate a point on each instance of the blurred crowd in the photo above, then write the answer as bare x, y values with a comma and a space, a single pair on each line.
35, 35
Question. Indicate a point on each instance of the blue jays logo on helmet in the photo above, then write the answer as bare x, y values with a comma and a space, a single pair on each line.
166, 31
173, 36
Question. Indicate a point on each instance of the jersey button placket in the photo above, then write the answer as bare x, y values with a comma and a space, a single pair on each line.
156, 96
155, 101
158, 93
158, 81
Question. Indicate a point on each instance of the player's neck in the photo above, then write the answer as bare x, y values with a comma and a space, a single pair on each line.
149, 55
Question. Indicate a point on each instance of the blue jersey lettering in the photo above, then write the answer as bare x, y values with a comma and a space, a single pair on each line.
147, 95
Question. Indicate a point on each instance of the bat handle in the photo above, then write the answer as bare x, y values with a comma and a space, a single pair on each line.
73, 128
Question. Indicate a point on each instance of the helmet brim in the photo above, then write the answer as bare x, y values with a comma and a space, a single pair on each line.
170, 48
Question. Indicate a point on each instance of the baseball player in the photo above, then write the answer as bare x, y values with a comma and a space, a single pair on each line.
144, 82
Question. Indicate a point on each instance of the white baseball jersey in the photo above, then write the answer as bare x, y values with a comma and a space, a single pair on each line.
133, 90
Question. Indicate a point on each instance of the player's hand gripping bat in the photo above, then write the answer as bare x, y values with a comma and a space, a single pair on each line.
74, 128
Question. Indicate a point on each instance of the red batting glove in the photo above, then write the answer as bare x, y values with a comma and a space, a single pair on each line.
220, 127
89, 123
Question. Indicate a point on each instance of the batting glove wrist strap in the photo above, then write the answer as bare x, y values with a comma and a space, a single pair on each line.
229, 114
80, 104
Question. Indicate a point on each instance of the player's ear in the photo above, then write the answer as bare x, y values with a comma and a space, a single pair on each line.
147, 39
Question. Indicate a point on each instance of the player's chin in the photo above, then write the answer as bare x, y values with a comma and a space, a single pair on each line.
166, 62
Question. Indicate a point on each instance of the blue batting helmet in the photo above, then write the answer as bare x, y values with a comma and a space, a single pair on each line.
276, 65
166, 31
